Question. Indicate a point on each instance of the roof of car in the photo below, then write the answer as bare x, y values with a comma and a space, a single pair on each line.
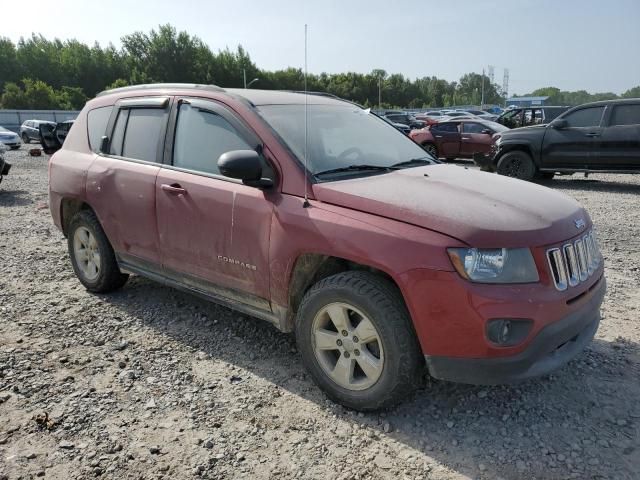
255, 96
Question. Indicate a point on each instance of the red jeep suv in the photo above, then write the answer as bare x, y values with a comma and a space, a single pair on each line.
323, 219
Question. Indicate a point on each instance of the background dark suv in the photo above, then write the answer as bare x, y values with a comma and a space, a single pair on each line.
595, 137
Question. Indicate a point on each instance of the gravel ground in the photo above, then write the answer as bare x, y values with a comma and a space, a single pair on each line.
153, 383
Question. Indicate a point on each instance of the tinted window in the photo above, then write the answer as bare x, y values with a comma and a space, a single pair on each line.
626, 115
585, 117
97, 120
201, 137
473, 128
143, 133
446, 127
115, 145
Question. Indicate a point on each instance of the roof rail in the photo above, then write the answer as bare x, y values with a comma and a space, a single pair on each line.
153, 86
326, 94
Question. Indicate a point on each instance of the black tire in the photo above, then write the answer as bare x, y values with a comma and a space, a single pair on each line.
25, 138
16, 147
431, 149
517, 164
381, 302
109, 277
547, 175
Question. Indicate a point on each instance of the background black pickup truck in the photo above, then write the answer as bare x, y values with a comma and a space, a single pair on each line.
595, 137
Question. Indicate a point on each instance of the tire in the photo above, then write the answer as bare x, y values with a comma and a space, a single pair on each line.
431, 149
106, 276
517, 164
547, 175
393, 360
15, 147
25, 138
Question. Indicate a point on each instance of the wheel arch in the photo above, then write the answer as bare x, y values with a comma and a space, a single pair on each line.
68, 208
310, 268
512, 147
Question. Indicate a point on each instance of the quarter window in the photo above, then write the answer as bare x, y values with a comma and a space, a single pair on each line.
625, 115
585, 117
201, 137
97, 120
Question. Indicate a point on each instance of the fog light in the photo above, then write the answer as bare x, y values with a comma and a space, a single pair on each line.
508, 332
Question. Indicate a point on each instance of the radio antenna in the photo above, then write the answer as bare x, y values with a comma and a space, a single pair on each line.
306, 125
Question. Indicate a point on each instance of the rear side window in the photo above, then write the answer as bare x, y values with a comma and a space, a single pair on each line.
446, 127
626, 115
201, 137
585, 117
137, 133
97, 120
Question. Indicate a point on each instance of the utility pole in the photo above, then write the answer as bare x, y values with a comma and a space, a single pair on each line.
505, 85
244, 76
482, 96
380, 93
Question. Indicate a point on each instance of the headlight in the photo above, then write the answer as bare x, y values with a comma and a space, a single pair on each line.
495, 265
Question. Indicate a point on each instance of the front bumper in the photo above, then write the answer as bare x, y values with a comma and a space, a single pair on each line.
552, 347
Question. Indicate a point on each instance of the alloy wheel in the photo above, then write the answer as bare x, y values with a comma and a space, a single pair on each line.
87, 253
347, 346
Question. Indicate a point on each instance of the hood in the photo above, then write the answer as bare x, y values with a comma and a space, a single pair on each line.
481, 209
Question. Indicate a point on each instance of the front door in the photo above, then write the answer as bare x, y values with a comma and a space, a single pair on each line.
476, 138
213, 230
572, 146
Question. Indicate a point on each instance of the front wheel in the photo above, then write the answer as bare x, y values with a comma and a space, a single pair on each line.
357, 341
25, 138
517, 165
92, 256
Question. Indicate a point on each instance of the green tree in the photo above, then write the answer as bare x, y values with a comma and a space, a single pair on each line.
13, 96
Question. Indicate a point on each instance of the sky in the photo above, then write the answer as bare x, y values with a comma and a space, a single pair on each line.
570, 44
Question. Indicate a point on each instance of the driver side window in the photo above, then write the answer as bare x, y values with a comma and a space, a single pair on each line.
585, 117
201, 137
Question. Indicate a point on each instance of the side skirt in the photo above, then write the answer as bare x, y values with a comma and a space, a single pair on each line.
202, 289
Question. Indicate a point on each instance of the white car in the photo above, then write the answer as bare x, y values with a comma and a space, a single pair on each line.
10, 139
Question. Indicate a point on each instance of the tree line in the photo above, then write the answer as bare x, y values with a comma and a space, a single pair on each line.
37, 73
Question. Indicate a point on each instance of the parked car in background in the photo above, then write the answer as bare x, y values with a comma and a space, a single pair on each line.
383, 262
399, 126
53, 135
482, 114
4, 165
595, 137
30, 130
405, 118
9, 138
522, 117
457, 138
427, 119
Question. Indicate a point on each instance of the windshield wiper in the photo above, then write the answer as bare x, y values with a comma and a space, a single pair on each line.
357, 168
413, 161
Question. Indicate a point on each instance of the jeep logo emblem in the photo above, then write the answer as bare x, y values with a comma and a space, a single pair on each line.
579, 223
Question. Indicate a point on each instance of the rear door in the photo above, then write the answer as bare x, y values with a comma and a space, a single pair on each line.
618, 147
121, 180
213, 230
447, 138
475, 138
573, 146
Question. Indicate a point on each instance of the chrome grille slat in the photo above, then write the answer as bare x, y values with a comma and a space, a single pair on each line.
574, 262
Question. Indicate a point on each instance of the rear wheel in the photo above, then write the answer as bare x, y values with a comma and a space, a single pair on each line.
517, 165
431, 149
92, 257
357, 341
25, 138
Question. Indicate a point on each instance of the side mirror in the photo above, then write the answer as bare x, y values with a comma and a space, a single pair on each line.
244, 165
559, 124
487, 131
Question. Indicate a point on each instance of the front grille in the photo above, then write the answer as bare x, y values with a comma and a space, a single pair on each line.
574, 262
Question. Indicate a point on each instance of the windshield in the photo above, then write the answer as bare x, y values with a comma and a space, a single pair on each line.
340, 136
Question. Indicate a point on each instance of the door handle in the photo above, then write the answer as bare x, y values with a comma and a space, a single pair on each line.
466, 138
438, 136
173, 188
592, 134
